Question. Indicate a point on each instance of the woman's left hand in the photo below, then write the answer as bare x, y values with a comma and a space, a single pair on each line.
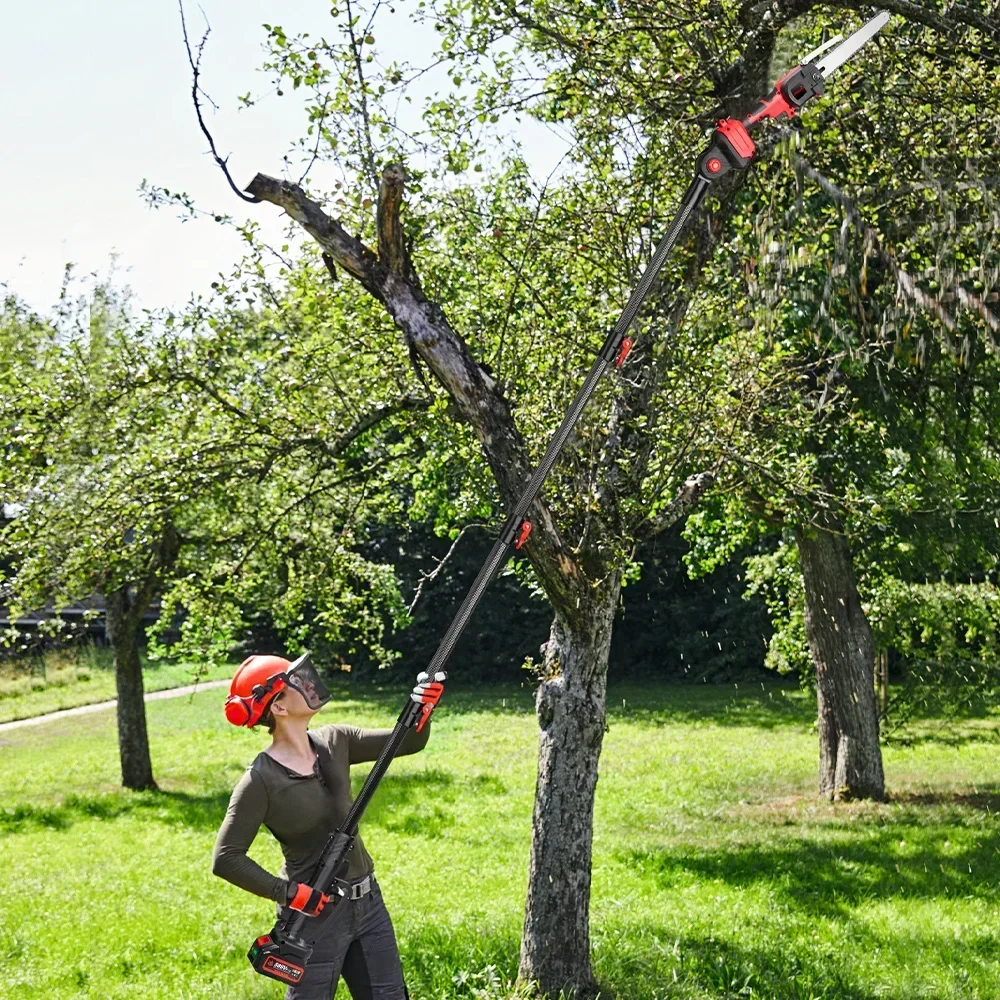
427, 691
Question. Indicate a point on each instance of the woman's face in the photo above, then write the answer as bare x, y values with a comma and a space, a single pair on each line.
309, 688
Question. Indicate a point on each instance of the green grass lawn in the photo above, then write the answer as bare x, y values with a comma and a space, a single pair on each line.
83, 678
717, 873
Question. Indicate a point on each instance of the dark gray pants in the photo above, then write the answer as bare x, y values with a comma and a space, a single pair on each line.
354, 939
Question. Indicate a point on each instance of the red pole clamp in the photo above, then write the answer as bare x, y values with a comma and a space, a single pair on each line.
523, 536
626, 346
425, 714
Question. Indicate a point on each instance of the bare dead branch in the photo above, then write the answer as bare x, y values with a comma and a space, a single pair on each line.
196, 93
391, 247
426, 578
367, 146
343, 249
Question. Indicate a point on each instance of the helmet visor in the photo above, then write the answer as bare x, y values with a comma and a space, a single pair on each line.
303, 677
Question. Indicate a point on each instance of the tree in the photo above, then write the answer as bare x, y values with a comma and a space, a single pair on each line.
152, 460
84, 522
629, 470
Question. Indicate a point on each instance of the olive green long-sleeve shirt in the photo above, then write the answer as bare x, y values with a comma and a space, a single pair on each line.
302, 811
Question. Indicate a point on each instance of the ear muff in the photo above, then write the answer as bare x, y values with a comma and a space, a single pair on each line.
237, 710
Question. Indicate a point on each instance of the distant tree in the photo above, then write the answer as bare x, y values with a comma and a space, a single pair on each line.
152, 459
292, 452
87, 519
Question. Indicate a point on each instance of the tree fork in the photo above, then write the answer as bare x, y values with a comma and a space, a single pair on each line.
391, 280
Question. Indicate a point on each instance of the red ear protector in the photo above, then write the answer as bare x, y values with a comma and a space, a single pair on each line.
238, 710
241, 711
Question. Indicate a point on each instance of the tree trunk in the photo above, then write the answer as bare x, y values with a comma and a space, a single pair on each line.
570, 704
883, 680
133, 742
843, 652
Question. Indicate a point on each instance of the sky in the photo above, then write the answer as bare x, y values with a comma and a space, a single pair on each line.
97, 98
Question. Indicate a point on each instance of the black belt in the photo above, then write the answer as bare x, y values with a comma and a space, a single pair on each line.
354, 890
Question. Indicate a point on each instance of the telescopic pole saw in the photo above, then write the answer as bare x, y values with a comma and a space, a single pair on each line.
282, 954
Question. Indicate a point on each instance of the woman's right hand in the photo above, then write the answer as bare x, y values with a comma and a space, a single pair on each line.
307, 899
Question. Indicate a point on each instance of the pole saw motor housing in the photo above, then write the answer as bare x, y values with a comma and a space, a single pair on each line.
732, 148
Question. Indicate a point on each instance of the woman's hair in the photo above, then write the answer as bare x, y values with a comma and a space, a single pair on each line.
267, 719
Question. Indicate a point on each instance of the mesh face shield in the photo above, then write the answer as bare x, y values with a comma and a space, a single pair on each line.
303, 677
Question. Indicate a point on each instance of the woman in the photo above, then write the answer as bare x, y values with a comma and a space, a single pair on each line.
299, 787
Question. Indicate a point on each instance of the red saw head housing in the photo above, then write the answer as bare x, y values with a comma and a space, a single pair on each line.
260, 679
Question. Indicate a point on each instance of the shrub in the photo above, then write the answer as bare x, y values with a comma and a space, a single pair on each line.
947, 636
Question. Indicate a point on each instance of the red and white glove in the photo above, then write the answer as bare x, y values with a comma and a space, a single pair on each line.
427, 693
309, 900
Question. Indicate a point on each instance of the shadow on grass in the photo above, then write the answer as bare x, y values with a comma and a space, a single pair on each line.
764, 706
198, 812
414, 803
943, 732
469, 961
421, 803
986, 798
767, 706
911, 855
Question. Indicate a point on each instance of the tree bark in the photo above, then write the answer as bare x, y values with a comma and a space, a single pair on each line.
843, 653
125, 612
570, 705
133, 741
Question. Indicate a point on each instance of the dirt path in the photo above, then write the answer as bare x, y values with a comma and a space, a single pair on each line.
37, 720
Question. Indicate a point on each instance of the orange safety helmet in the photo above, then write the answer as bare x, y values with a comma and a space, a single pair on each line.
261, 678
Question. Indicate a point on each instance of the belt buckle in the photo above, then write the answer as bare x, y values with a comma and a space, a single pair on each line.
360, 888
